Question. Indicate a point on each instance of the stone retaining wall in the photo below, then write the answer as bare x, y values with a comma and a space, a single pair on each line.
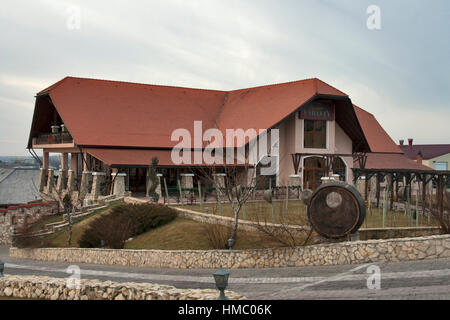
355, 252
398, 232
14, 218
34, 287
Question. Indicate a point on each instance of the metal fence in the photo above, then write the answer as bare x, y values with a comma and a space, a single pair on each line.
54, 138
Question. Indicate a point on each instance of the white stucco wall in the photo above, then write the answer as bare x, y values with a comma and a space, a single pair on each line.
291, 141
432, 162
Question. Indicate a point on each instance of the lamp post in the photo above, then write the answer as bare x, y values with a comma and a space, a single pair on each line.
231, 243
2, 268
221, 279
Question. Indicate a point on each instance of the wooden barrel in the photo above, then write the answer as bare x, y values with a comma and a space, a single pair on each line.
306, 196
336, 210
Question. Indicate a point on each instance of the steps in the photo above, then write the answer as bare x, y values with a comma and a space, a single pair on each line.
80, 214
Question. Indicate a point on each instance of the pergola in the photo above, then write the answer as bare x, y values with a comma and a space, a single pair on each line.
329, 159
439, 178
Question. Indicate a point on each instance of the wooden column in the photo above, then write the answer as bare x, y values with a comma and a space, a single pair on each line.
85, 161
424, 193
366, 187
391, 191
45, 160
64, 161
396, 189
441, 195
378, 190
74, 162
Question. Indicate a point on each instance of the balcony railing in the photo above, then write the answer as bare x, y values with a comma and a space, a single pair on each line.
54, 138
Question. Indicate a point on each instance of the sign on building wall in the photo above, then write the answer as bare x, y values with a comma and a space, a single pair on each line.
317, 111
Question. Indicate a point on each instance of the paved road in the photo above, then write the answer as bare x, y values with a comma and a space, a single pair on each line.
428, 279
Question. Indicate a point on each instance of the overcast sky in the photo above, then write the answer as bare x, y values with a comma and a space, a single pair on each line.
400, 73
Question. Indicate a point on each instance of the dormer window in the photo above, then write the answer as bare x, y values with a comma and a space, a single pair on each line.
315, 118
315, 134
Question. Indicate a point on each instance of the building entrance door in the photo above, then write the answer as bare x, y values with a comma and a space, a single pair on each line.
137, 180
313, 171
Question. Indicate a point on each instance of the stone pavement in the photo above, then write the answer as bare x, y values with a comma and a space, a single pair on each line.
425, 279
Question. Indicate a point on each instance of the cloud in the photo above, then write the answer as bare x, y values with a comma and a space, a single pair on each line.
400, 70
24, 83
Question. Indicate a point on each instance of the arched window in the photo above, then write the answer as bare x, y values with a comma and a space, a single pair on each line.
340, 168
314, 169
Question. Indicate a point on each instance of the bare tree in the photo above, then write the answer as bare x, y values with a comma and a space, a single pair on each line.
441, 210
234, 186
284, 232
66, 202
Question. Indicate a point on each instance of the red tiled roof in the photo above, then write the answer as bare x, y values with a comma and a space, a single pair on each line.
263, 107
117, 157
138, 157
102, 113
429, 151
112, 113
377, 137
391, 161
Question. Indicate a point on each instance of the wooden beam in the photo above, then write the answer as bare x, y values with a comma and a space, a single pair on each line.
296, 158
366, 188
424, 193
391, 190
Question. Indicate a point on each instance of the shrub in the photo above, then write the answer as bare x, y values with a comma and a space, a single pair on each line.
217, 235
123, 222
25, 238
153, 180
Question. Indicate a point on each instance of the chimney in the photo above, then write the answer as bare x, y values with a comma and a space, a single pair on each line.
410, 142
402, 142
419, 157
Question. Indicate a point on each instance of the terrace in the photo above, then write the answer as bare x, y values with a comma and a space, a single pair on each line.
53, 138
57, 138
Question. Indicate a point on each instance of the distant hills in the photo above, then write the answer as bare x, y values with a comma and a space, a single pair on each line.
27, 161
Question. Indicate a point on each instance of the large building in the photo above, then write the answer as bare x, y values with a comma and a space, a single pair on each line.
112, 127
435, 156
18, 185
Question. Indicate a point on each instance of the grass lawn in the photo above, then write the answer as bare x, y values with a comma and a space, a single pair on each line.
296, 214
180, 234
183, 234
39, 225
59, 239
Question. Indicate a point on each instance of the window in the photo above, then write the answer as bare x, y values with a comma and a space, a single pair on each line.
441, 166
315, 134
